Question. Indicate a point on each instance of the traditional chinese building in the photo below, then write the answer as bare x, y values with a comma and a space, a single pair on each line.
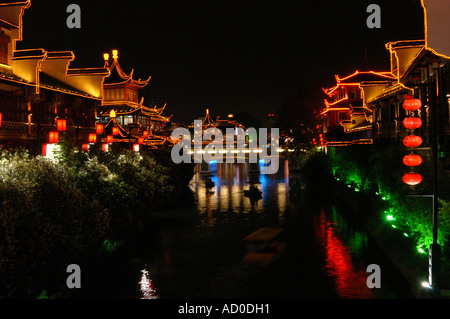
121, 107
38, 87
346, 119
386, 100
208, 122
422, 71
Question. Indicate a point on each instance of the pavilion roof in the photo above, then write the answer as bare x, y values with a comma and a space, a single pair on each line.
118, 76
359, 77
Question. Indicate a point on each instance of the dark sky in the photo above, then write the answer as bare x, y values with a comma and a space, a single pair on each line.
228, 56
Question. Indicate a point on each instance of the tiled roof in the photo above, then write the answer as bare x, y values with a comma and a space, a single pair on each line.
12, 77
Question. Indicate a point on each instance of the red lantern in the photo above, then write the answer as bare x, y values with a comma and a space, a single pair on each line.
85, 147
99, 129
61, 125
412, 160
412, 141
110, 139
53, 137
44, 150
115, 130
412, 123
1, 119
412, 104
412, 179
92, 138
136, 147
140, 140
105, 147
145, 134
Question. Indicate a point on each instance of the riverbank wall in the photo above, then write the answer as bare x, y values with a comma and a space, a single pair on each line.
401, 250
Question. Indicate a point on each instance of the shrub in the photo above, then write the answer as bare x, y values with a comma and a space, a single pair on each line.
57, 211
377, 170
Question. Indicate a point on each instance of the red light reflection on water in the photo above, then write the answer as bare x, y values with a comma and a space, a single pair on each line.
350, 281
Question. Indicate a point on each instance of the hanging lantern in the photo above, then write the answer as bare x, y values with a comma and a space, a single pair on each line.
145, 134
140, 140
92, 138
44, 150
412, 104
115, 130
412, 123
53, 137
110, 139
412, 179
412, 160
136, 147
61, 125
99, 129
105, 147
412, 141
85, 147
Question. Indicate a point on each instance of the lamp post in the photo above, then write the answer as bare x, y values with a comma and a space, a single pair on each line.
435, 249
415, 178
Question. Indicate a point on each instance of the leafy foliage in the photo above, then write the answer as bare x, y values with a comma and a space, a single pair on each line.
377, 170
56, 211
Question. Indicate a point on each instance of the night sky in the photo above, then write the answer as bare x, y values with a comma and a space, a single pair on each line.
228, 56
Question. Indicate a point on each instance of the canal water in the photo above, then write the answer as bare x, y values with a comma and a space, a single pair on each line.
196, 250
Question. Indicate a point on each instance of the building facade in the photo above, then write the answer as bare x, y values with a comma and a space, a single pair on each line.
123, 109
38, 87
346, 119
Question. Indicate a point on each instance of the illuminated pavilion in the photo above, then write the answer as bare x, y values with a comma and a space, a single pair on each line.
121, 108
346, 118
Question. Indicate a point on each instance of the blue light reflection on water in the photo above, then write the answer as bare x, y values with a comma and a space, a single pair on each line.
196, 250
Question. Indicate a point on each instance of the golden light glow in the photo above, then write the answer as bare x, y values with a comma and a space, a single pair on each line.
115, 54
426, 32
328, 104
106, 56
2, 65
384, 74
397, 68
112, 114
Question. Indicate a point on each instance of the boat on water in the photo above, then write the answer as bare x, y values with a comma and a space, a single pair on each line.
253, 192
263, 248
209, 183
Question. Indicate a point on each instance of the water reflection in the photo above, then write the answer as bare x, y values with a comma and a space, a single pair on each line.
343, 249
199, 249
146, 286
227, 195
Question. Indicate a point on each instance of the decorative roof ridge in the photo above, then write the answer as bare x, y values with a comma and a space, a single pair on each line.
15, 3
120, 77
